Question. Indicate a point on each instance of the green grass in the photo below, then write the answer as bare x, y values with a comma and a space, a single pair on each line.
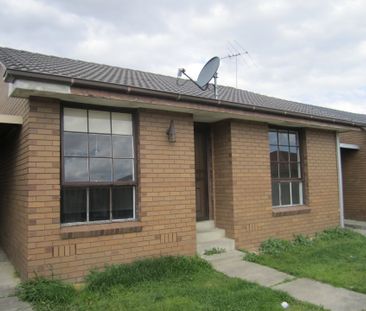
336, 256
167, 283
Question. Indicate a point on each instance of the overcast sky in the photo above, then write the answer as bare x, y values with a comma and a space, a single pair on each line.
309, 51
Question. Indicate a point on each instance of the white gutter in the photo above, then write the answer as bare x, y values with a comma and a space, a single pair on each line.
340, 182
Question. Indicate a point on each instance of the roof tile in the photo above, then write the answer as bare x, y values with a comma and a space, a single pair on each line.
65, 67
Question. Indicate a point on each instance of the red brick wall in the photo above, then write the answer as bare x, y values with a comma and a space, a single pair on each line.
166, 202
354, 176
253, 214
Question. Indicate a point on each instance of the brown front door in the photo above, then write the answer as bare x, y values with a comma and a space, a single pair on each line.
201, 143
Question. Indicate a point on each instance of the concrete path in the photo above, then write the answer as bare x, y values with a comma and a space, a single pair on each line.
8, 282
332, 298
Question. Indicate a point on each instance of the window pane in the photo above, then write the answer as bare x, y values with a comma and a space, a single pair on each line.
123, 169
122, 202
275, 194
295, 170
75, 120
99, 122
99, 204
296, 192
284, 170
294, 154
122, 146
100, 169
76, 169
73, 207
273, 138
121, 123
100, 145
285, 193
283, 138
293, 139
283, 153
274, 170
75, 144
273, 153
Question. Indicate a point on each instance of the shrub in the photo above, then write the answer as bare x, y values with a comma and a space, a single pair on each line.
274, 246
145, 270
302, 240
47, 292
336, 233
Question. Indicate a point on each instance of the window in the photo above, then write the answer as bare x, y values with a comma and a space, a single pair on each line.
98, 180
287, 184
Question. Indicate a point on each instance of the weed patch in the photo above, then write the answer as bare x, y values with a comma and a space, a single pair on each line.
214, 251
46, 293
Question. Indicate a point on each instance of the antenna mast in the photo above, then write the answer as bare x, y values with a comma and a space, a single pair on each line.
236, 65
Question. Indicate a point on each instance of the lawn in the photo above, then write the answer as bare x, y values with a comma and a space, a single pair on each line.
336, 256
167, 283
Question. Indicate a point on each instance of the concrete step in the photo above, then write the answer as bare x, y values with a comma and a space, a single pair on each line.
213, 234
225, 243
206, 225
355, 224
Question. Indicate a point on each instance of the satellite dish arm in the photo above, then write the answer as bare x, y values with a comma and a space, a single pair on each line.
183, 71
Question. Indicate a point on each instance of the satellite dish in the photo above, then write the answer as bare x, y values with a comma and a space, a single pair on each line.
208, 72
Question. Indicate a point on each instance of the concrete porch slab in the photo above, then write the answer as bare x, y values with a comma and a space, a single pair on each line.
355, 224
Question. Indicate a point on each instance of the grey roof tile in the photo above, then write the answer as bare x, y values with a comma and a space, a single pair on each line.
70, 68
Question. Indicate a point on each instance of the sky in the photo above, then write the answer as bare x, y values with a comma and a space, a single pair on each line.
308, 51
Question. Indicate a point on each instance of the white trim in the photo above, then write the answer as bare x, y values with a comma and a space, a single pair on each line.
10, 119
301, 195
349, 146
19, 87
340, 182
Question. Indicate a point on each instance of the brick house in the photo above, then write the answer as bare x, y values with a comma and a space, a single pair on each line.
90, 176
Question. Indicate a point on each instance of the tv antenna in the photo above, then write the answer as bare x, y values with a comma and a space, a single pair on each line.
237, 51
208, 72
236, 65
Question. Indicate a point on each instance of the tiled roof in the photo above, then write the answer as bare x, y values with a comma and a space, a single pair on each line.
68, 68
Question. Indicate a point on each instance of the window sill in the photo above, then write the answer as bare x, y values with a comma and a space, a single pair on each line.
291, 210
95, 230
